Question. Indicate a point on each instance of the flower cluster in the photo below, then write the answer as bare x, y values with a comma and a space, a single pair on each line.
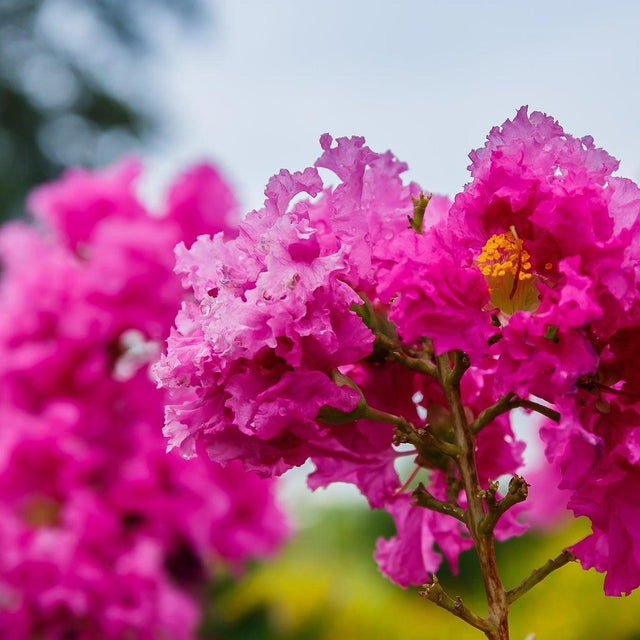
317, 332
570, 332
104, 535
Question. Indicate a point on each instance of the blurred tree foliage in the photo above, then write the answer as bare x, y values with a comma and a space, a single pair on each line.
62, 100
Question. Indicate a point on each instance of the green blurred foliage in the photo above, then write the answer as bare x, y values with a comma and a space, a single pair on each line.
325, 586
57, 109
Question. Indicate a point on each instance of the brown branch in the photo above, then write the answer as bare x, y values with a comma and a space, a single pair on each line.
461, 363
421, 438
497, 626
454, 484
396, 351
436, 594
550, 413
539, 574
487, 416
517, 492
505, 404
429, 501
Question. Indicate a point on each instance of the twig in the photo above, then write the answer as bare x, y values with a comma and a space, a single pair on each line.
436, 594
517, 492
497, 625
552, 414
539, 574
420, 438
416, 221
487, 416
429, 501
506, 403
410, 478
461, 363
396, 351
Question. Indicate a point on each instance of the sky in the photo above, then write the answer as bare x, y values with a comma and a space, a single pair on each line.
256, 83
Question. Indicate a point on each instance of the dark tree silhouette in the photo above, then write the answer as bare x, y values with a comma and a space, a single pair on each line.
57, 106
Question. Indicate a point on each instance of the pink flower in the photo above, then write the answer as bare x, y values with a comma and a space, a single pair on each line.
201, 201
532, 272
273, 317
409, 557
74, 206
104, 534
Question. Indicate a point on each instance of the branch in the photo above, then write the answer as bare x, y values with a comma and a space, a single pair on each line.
550, 413
395, 351
454, 484
420, 438
436, 594
505, 404
491, 413
517, 492
461, 363
429, 501
537, 575
416, 221
496, 626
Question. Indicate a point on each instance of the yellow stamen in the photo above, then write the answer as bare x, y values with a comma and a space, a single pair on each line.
506, 265
41, 511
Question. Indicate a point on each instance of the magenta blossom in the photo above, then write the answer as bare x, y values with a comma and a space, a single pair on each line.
281, 351
366, 322
104, 535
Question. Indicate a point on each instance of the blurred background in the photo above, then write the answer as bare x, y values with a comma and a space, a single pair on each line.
252, 85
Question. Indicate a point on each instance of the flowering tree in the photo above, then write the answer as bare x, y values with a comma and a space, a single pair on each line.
103, 535
331, 329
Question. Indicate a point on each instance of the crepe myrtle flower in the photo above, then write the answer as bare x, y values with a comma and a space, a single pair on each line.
103, 535
357, 320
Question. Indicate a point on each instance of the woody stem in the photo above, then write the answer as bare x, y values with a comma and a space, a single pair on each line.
449, 374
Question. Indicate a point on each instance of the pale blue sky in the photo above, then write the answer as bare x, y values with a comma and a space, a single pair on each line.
256, 88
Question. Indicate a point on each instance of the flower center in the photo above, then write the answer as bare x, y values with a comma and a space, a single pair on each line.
506, 266
41, 511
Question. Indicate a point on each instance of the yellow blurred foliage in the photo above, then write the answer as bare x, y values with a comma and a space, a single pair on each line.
318, 589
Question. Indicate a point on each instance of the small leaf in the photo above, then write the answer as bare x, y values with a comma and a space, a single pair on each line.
416, 222
552, 333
